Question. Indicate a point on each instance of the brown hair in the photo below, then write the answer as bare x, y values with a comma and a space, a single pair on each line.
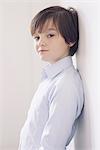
66, 20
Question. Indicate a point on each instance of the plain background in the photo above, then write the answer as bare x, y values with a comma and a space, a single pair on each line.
20, 69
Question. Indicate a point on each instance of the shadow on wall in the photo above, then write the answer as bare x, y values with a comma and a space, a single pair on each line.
83, 134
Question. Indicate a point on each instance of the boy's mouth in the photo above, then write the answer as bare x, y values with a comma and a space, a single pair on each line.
42, 50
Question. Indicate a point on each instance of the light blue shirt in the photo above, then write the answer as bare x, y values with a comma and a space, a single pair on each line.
55, 108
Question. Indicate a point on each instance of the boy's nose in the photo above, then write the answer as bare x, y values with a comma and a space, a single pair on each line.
42, 42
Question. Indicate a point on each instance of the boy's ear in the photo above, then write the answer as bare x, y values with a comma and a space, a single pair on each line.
71, 44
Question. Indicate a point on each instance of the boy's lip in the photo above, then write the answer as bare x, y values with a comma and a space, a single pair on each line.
42, 50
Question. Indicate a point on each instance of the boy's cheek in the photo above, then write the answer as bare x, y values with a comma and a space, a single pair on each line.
36, 46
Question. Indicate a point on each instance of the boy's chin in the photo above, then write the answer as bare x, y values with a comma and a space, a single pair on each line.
45, 59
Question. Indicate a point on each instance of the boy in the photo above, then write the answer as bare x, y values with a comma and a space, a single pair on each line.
58, 101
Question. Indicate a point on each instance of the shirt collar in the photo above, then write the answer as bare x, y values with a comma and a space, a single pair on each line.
51, 70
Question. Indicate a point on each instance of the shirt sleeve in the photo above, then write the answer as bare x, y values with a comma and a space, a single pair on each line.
62, 114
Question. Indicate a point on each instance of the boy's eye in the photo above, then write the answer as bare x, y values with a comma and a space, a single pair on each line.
50, 35
36, 38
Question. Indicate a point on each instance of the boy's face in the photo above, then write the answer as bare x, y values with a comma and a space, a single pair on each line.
49, 43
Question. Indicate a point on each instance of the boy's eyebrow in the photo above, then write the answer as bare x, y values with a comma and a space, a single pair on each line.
52, 29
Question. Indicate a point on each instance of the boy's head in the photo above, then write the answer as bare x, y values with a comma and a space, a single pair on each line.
65, 20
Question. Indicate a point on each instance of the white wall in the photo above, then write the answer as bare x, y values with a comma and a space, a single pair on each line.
20, 69
17, 70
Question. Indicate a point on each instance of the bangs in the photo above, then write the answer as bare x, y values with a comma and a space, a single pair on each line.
40, 20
